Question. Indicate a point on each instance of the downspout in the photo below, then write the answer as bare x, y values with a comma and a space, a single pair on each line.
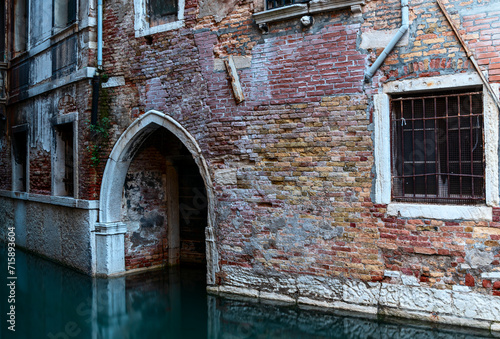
96, 80
395, 39
99, 35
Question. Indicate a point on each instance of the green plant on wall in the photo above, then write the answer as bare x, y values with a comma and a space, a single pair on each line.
99, 135
99, 132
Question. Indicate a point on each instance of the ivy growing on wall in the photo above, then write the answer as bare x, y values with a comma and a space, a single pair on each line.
99, 132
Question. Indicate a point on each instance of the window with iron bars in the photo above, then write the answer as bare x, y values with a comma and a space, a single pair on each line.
438, 148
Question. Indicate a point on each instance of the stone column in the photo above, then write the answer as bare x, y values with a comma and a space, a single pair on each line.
110, 247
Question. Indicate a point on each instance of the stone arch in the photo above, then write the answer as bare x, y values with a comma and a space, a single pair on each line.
119, 161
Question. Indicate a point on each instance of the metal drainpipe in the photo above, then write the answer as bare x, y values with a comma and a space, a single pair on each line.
96, 81
402, 30
99, 34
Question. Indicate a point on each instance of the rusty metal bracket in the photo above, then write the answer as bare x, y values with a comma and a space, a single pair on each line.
469, 53
235, 80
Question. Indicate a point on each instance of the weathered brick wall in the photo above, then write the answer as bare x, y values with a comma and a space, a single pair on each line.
440, 253
302, 140
40, 172
301, 144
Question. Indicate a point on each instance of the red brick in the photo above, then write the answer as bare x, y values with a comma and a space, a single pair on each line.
469, 280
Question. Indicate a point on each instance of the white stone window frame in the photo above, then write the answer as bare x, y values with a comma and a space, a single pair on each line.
56, 164
382, 150
141, 20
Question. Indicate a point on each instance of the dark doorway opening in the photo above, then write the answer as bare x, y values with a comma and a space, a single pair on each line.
164, 205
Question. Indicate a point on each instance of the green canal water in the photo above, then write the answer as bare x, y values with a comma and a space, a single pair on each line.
52, 301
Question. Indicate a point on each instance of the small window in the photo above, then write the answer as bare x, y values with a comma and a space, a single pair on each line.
20, 25
63, 176
161, 12
438, 148
64, 13
20, 159
155, 16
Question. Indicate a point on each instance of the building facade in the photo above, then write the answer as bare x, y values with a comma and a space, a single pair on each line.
341, 154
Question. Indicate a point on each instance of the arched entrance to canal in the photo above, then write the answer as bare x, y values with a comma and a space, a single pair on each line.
156, 183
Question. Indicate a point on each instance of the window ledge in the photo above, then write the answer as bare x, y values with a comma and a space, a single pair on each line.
314, 6
52, 200
63, 32
442, 212
281, 13
145, 31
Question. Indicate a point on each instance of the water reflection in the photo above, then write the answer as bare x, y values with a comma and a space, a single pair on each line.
56, 302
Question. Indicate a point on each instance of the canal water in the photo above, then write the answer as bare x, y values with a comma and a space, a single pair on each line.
52, 301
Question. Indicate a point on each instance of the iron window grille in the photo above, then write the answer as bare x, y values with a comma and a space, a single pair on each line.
438, 148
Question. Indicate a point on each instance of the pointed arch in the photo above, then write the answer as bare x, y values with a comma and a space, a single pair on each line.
119, 161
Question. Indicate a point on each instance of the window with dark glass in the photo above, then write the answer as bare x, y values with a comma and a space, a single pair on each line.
438, 148
64, 13
20, 20
20, 152
64, 165
162, 11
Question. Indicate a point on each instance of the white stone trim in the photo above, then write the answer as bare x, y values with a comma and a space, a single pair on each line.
445, 212
57, 158
454, 307
52, 200
296, 10
491, 275
281, 13
114, 82
110, 242
382, 149
491, 126
81, 74
141, 23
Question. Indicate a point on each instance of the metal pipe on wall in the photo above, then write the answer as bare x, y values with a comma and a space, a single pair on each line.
395, 39
99, 34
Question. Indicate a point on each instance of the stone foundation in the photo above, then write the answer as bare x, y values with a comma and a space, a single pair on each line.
58, 228
454, 307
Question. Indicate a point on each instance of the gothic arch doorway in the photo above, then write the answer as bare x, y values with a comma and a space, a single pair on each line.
178, 158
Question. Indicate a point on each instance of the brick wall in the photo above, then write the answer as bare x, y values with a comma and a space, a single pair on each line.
302, 140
